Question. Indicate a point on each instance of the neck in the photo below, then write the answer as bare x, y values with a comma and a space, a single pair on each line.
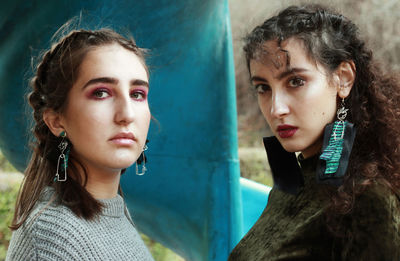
312, 150
103, 185
309, 154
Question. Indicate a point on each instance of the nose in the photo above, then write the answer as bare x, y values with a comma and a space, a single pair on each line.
124, 111
279, 108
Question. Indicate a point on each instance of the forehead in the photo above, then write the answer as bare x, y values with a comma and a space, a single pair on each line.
273, 58
112, 60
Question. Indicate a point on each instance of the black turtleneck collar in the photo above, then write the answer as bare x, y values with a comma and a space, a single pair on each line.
286, 171
309, 164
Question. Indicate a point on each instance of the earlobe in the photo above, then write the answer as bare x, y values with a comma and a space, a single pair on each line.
346, 73
53, 122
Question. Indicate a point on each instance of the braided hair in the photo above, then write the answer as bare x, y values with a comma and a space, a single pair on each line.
374, 101
55, 75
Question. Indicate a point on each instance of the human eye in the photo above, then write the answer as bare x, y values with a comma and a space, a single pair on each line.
262, 88
100, 93
296, 82
138, 94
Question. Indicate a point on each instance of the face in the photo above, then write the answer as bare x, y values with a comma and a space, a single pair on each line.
107, 114
297, 102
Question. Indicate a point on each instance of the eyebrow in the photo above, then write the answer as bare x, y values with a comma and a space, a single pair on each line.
111, 80
280, 76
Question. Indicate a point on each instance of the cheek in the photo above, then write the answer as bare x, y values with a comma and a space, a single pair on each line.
145, 113
322, 97
328, 107
93, 118
324, 112
86, 122
144, 117
265, 107
329, 113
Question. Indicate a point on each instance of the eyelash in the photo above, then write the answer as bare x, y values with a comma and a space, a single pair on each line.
300, 82
142, 93
294, 82
262, 88
97, 94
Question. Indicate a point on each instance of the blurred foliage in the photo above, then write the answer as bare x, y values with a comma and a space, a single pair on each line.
7, 202
5, 165
159, 252
254, 165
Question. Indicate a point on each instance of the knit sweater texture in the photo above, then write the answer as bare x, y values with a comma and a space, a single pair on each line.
54, 232
293, 227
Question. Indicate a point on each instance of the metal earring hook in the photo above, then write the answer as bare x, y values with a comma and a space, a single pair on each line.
142, 161
62, 161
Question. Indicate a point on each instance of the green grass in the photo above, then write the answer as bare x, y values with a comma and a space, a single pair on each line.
254, 165
7, 202
159, 252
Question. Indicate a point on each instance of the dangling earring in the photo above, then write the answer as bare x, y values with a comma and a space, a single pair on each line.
142, 161
334, 150
338, 142
62, 163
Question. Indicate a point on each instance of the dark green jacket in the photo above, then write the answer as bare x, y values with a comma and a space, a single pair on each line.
293, 227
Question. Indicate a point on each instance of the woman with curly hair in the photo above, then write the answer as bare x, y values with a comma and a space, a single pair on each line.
89, 100
323, 96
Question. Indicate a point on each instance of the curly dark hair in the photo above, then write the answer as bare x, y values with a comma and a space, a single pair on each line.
374, 101
55, 75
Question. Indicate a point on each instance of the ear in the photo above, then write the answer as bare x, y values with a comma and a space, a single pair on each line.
346, 75
53, 121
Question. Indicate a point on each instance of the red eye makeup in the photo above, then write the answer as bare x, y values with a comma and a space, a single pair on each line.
139, 94
99, 93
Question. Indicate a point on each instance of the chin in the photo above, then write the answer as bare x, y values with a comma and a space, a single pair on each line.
119, 164
124, 166
291, 147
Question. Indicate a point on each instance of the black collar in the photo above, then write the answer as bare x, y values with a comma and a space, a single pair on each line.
286, 171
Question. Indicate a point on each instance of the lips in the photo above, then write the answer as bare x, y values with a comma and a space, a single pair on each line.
286, 131
124, 138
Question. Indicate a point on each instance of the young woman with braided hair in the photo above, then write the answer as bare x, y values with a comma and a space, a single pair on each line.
92, 116
323, 96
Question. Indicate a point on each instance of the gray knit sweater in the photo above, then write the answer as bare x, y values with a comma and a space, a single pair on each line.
57, 234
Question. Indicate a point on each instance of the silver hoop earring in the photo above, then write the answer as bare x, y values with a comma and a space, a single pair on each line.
142, 161
62, 162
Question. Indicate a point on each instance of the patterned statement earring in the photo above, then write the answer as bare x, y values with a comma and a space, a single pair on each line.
62, 163
337, 144
142, 161
333, 152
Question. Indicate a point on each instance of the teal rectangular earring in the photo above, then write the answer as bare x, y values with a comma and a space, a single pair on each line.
338, 141
62, 162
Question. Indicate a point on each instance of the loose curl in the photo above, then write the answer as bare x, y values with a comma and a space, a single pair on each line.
55, 75
374, 100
